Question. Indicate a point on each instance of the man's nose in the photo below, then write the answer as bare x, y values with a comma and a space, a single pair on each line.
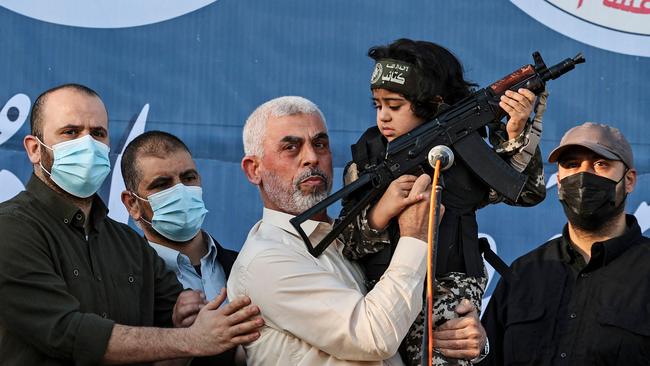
309, 156
85, 131
586, 166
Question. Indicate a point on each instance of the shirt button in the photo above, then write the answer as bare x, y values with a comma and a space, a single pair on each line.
573, 315
104, 315
131, 279
99, 278
75, 272
563, 355
78, 217
65, 221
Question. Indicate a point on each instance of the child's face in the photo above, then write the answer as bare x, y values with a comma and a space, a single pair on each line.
394, 114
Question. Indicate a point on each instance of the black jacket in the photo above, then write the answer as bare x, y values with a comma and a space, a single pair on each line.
559, 310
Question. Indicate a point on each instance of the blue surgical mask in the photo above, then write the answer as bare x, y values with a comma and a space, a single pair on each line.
80, 165
178, 212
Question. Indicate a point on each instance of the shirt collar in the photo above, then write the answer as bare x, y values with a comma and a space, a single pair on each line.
281, 220
168, 255
602, 253
569, 254
63, 209
315, 230
172, 257
213, 251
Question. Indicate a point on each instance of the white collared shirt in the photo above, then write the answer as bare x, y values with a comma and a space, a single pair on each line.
316, 310
212, 277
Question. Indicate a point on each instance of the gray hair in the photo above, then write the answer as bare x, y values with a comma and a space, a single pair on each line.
255, 126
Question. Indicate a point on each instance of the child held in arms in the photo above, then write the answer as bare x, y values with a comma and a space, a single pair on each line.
412, 82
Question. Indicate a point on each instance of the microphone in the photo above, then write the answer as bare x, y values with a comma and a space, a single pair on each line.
442, 153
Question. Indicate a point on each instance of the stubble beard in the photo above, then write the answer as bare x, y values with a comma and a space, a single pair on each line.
290, 198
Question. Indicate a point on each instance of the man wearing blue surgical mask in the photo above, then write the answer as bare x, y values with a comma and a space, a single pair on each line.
164, 197
76, 287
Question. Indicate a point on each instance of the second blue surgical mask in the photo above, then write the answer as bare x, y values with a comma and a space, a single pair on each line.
178, 212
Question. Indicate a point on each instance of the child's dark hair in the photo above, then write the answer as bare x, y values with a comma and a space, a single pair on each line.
440, 74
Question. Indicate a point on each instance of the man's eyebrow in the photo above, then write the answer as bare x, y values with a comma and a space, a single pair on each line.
573, 155
100, 128
321, 135
189, 172
292, 139
80, 127
566, 156
158, 181
71, 125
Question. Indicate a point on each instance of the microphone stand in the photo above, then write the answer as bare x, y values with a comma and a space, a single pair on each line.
432, 250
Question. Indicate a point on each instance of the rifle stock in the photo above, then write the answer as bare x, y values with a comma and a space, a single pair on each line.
456, 127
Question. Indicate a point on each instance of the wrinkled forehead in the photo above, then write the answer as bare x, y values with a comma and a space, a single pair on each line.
71, 107
301, 125
155, 169
170, 161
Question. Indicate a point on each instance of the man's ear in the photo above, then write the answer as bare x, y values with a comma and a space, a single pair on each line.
131, 204
250, 164
33, 148
630, 180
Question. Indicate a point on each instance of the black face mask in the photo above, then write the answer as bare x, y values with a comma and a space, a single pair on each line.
589, 200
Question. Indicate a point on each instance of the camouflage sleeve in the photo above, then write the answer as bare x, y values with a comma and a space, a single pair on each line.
358, 237
502, 145
534, 190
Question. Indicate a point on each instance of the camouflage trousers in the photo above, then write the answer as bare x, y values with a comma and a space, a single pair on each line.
450, 290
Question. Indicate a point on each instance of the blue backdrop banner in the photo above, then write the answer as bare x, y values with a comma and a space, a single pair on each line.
198, 68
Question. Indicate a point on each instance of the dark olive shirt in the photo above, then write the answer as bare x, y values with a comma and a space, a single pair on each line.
561, 310
61, 292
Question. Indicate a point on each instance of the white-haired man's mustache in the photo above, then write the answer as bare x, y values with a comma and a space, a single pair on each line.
312, 172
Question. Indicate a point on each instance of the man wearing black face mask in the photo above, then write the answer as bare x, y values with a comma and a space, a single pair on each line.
582, 298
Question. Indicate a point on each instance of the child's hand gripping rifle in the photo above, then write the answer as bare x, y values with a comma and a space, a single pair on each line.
456, 127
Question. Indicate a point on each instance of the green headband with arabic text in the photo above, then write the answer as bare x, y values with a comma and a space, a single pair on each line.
394, 75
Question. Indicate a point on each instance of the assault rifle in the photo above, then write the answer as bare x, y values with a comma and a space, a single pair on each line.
458, 127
